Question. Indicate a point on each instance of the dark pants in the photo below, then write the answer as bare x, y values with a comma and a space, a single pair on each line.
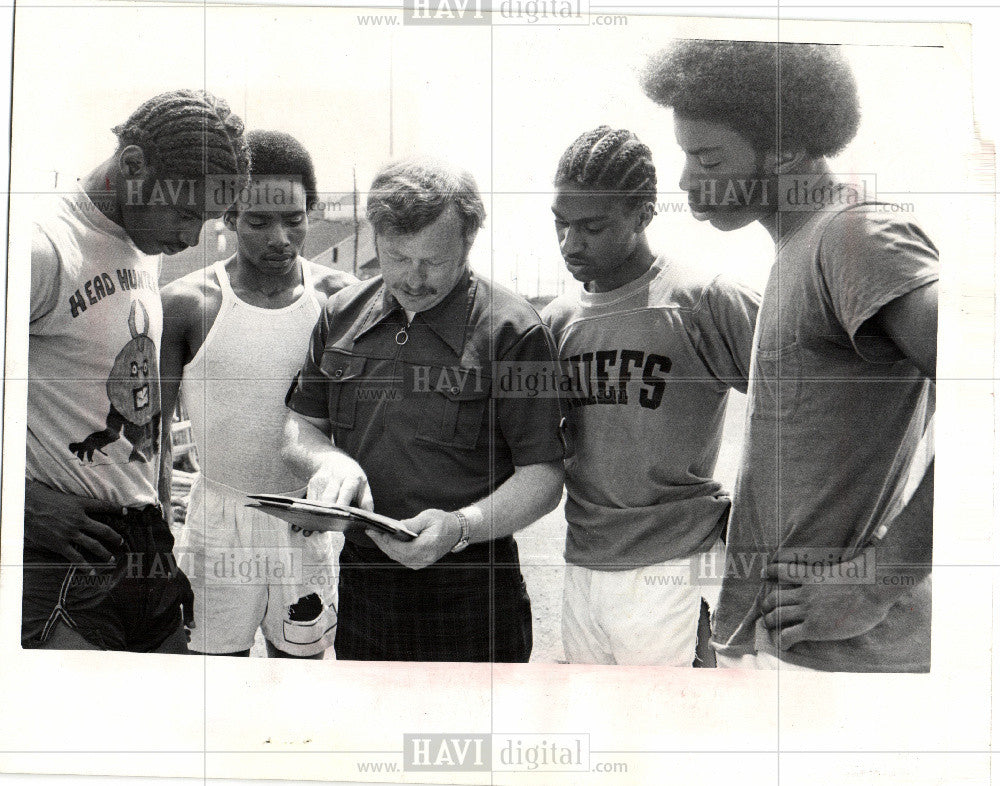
467, 607
134, 605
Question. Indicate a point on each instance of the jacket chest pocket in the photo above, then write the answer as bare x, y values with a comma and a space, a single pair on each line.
343, 373
453, 413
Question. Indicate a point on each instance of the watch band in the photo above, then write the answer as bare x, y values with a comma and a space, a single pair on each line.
463, 540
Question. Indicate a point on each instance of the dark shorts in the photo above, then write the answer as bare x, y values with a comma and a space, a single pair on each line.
467, 607
134, 605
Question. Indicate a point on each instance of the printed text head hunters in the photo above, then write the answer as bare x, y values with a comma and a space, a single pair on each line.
425, 214
749, 112
155, 184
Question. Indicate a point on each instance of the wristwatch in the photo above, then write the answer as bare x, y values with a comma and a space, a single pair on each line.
463, 541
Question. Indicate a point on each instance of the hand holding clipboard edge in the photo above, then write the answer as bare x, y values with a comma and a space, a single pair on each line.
310, 515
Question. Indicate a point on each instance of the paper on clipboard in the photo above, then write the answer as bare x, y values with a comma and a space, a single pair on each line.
328, 517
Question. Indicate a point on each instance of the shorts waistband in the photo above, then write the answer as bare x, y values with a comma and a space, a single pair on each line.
216, 487
143, 515
103, 508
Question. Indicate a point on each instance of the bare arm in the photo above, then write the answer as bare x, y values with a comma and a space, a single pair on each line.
333, 475
328, 282
911, 323
177, 313
530, 493
525, 497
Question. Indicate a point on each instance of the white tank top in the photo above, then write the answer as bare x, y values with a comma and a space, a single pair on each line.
234, 387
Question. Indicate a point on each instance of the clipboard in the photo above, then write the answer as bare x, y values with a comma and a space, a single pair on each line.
327, 517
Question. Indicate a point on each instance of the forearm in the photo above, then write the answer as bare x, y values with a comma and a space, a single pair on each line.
530, 493
307, 446
166, 474
172, 353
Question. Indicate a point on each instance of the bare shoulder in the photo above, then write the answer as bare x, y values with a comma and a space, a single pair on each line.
190, 298
328, 281
197, 288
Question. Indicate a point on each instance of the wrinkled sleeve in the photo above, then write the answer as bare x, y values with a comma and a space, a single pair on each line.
308, 392
530, 424
45, 267
868, 260
727, 318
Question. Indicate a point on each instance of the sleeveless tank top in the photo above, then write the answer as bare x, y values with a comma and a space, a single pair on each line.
234, 387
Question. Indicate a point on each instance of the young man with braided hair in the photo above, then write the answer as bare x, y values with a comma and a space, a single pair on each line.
652, 348
842, 384
233, 338
98, 567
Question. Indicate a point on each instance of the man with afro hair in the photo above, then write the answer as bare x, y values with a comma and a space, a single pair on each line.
233, 336
842, 383
98, 567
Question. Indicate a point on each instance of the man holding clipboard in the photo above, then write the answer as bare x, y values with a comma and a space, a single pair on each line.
395, 410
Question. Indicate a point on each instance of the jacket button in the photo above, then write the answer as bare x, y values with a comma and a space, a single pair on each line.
454, 391
339, 372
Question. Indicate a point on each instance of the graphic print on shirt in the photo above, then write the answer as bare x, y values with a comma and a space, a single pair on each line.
134, 394
613, 376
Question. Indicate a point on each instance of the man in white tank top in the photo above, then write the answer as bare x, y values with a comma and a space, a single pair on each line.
233, 337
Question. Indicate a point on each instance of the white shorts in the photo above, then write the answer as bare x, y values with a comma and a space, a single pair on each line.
249, 570
642, 617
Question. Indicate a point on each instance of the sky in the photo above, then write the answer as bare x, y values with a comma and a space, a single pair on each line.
502, 101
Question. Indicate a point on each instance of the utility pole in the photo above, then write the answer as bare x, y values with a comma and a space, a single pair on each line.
391, 42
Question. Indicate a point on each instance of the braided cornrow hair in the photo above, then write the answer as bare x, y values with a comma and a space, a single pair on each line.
188, 134
611, 161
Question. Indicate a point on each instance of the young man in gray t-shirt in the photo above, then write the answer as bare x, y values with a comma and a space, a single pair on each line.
842, 383
652, 348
